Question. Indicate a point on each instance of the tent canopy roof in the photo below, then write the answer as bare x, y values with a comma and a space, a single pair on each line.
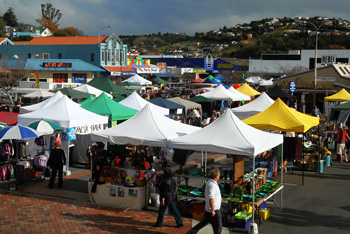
72, 93
166, 103
147, 127
221, 93
235, 137
103, 105
108, 86
138, 80
65, 113
89, 99
341, 96
43, 104
188, 104
91, 90
280, 117
276, 92
247, 90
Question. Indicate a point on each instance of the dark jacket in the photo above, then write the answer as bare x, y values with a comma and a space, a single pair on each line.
57, 158
168, 190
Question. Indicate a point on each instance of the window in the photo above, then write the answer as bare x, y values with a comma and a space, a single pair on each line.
109, 56
92, 57
103, 56
59, 55
60, 78
46, 56
29, 55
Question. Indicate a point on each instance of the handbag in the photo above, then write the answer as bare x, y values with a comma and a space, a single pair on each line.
47, 172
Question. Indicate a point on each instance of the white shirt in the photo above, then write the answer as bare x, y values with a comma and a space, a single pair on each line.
212, 191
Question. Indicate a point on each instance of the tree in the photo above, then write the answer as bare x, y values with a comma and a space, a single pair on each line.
2, 28
72, 32
11, 75
50, 17
50, 13
10, 18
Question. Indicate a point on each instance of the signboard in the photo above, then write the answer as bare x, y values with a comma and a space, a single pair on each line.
87, 129
292, 86
147, 70
60, 78
79, 78
325, 79
69, 134
199, 70
59, 65
186, 70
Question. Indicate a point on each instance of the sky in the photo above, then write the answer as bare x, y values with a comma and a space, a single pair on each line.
136, 17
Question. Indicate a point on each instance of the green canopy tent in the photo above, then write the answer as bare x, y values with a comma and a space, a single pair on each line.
342, 108
160, 80
71, 93
108, 86
119, 98
103, 105
200, 98
89, 99
128, 83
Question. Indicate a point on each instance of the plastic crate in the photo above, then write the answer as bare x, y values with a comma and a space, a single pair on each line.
198, 207
264, 213
243, 215
263, 205
243, 223
198, 215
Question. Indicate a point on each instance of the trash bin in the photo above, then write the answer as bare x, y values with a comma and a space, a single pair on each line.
328, 161
319, 166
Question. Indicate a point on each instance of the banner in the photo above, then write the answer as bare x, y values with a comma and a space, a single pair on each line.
186, 70
87, 129
69, 134
147, 70
199, 70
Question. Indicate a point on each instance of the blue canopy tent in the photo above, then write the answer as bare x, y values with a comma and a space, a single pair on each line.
172, 106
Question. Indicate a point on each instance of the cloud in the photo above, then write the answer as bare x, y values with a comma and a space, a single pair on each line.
181, 16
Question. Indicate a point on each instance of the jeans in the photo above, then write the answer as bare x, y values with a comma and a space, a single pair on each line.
53, 176
215, 221
174, 210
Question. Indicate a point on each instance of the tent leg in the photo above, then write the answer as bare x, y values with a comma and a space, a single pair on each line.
282, 170
302, 165
206, 161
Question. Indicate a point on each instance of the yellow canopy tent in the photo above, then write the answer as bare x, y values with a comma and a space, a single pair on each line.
280, 117
247, 90
341, 96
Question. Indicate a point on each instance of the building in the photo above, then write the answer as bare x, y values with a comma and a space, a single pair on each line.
280, 64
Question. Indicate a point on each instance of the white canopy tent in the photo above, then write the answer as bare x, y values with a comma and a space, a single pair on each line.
65, 113
221, 93
258, 105
235, 137
135, 101
147, 127
41, 105
138, 80
257, 80
239, 95
91, 90
39, 93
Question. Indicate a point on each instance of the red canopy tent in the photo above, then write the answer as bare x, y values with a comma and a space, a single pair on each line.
198, 80
10, 118
236, 86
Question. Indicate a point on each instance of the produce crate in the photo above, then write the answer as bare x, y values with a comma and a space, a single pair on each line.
198, 215
264, 213
243, 223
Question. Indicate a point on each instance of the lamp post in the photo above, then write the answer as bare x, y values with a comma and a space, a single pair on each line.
99, 43
317, 29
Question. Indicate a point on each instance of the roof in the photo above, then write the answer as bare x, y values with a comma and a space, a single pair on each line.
77, 65
92, 40
118, 69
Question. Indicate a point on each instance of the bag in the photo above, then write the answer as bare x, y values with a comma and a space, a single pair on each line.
47, 172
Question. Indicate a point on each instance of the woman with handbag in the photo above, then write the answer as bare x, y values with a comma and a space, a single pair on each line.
56, 161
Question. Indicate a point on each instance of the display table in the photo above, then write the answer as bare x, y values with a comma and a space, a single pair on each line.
119, 196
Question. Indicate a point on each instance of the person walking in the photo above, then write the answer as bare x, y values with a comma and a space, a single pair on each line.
212, 205
56, 161
341, 140
168, 198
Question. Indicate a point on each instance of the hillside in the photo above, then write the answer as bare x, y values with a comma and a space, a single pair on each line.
246, 41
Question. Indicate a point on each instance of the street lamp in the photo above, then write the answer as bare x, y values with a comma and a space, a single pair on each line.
109, 26
317, 29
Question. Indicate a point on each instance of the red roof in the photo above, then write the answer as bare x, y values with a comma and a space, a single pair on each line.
118, 69
2, 38
66, 40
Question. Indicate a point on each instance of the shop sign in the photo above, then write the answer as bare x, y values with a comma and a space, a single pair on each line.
292, 86
148, 70
199, 70
225, 66
161, 64
79, 78
115, 73
87, 129
129, 73
186, 70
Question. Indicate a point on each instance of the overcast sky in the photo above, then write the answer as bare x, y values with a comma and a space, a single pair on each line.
135, 17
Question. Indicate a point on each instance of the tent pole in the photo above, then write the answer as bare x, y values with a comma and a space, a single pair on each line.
282, 170
302, 165
253, 189
202, 161
206, 160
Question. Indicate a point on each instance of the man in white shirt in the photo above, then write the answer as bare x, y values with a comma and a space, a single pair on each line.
212, 205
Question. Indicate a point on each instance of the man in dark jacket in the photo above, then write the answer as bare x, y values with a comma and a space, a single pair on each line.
168, 198
56, 161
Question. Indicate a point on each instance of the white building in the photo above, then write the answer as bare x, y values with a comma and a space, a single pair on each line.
284, 63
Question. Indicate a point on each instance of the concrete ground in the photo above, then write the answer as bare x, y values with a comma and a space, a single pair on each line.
321, 205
